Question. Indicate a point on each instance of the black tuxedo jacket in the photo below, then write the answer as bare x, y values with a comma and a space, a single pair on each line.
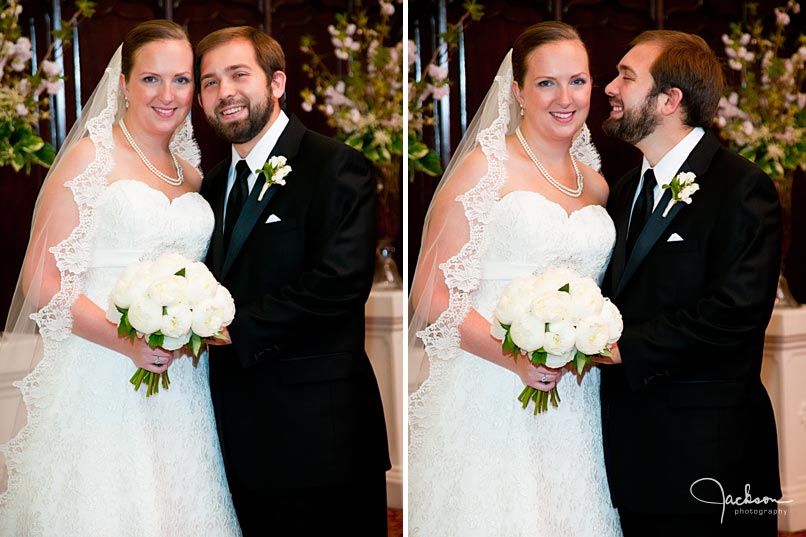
296, 400
687, 402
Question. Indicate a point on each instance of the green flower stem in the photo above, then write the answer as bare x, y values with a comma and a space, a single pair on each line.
540, 398
151, 380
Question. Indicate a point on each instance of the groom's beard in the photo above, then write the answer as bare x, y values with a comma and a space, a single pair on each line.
634, 124
242, 131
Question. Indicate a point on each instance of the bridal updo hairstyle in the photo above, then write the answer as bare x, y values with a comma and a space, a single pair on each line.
535, 36
686, 62
145, 33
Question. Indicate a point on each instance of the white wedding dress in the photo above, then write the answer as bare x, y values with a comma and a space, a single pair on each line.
97, 458
480, 465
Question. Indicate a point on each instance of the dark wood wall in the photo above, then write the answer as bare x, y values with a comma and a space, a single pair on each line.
97, 38
606, 26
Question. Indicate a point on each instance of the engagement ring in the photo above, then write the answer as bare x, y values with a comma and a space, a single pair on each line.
158, 363
544, 380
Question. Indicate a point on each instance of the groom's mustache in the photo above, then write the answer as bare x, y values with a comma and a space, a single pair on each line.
231, 102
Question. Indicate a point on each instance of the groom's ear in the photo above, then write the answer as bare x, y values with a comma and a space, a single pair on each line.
278, 80
670, 101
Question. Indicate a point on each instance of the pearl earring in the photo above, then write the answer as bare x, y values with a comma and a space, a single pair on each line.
126, 102
521, 110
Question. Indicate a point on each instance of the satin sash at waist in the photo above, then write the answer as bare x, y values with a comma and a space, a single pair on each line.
492, 270
115, 258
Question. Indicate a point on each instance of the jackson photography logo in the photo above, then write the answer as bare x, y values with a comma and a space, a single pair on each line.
710, 491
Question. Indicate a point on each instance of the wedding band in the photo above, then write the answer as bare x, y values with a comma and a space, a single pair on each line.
158, 363
544, 380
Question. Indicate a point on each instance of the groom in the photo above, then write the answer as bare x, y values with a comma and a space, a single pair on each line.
688, 426
297, 405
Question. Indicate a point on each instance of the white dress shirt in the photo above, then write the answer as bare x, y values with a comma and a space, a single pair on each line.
670, 164
258, 156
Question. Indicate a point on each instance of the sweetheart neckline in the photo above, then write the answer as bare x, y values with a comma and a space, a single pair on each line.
152, 189
553, 203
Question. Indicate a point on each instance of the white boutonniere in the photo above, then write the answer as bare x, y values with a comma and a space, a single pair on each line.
683, 187
274, 172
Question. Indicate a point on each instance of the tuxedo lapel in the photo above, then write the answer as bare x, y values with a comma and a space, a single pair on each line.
287, 145
652, 231
621, 219
698, 162
218, 182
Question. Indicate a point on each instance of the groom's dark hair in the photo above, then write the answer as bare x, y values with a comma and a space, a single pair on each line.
268, 52
687, 62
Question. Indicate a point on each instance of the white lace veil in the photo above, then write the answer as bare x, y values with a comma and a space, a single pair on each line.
448, 265
40, 312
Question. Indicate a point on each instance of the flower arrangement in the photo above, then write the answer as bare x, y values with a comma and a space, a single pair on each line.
365, 104
23, 96
171, 302
763, 117
430, 84
555, 319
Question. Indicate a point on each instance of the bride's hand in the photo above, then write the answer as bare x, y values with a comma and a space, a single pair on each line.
155, 360
534, 376
222, 339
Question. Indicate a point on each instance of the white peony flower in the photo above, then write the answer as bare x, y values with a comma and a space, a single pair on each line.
132, 283
207, 319
515, 299
225, 304
586, 298
174, 343
559, 360
612, 316
201, 284
168, 265
176, 321
592, 335
496, 330
145, 315
112, 313
559, 338
552, 307
168, 290
554, 279
528, 332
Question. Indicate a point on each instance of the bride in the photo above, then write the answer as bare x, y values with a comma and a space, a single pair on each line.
520, 196
86, 454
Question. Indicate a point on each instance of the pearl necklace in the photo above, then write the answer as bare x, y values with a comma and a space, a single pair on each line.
170, 180
574, 193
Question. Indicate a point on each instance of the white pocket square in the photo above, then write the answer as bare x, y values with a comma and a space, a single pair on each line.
274, 218
674, 237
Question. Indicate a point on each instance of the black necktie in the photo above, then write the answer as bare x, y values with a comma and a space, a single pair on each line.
237, 197
642, 210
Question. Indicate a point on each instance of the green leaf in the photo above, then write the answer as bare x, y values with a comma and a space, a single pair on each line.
180, 272
565, 288
195, 344
156, 339
580, 361
539, 357
508, 346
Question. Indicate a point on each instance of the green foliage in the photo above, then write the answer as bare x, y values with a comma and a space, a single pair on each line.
24, 94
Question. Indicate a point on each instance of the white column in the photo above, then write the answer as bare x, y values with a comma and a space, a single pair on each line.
783, 373
384, 344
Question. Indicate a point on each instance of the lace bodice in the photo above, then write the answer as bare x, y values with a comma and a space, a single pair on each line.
528, 234
133, 222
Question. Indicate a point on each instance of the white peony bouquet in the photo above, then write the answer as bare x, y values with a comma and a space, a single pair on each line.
171, 302
555, 318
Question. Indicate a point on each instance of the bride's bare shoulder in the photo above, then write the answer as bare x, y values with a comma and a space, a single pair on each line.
465, 175
595, 184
